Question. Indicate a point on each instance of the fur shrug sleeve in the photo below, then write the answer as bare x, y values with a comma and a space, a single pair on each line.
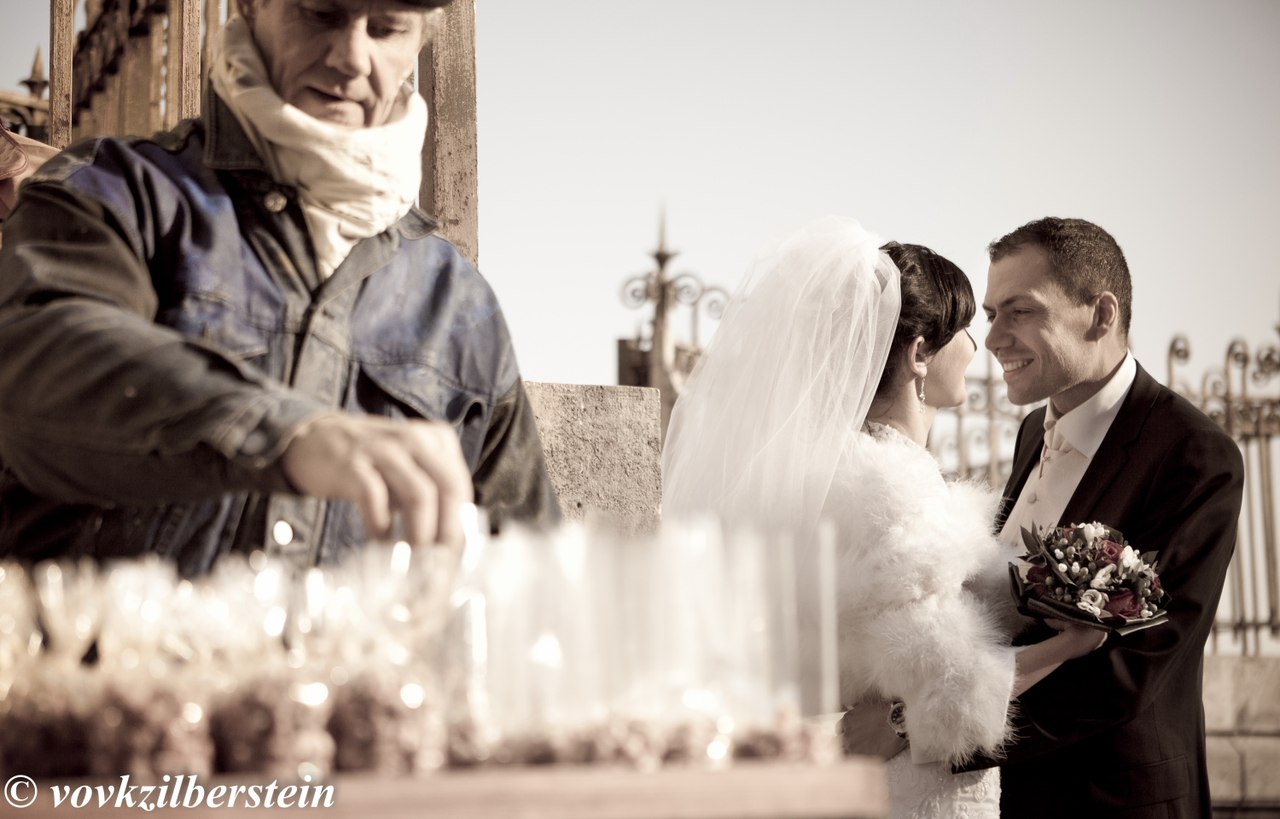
916, 563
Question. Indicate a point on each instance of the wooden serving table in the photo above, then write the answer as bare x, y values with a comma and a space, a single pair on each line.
855, 788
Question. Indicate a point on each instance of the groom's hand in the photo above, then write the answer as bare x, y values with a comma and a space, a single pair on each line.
865, 731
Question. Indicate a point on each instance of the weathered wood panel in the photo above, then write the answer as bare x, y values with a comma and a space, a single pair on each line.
447, 77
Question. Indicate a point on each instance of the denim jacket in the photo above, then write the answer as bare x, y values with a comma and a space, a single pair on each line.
163, 331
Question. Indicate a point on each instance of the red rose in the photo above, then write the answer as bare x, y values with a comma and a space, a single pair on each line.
1111, 552
1037, 574
1124, 604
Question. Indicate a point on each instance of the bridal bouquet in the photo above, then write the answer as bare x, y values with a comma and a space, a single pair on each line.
1088, 574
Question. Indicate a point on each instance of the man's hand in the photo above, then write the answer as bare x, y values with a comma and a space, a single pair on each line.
865, 731
385, 466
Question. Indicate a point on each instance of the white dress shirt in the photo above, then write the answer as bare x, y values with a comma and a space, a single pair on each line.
1071, 441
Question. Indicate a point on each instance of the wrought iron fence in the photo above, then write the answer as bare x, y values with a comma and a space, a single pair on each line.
1242, 396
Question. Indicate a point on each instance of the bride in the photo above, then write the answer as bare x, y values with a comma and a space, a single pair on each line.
814, 400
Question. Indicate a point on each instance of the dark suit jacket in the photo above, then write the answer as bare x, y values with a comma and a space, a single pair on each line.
1120, 732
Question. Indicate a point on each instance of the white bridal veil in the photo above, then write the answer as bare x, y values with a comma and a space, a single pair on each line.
781, 390
786, 380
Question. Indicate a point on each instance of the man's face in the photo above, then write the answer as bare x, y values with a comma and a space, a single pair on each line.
342, 61
1038, 333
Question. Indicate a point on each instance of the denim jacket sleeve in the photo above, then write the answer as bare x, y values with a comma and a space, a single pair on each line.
97, 402
511, 482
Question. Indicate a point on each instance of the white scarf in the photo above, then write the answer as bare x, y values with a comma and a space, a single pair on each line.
352, 183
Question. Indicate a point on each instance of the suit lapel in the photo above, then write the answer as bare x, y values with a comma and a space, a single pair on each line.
1109, 461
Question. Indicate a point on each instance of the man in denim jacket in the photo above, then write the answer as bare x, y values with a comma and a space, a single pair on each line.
241, 334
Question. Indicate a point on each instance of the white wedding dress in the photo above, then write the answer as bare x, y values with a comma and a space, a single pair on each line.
931, 791
923, 618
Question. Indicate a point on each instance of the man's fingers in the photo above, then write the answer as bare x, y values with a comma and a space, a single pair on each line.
414, 469
455, 490
451, 531
413, 496
372, 498
439, 453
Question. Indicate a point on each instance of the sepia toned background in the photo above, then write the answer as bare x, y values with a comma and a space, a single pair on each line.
934, 123
937, 123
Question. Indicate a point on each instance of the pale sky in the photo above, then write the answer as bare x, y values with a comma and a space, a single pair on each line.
940, 123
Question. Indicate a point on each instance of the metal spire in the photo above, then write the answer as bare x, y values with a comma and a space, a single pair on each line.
662, 255
37, 83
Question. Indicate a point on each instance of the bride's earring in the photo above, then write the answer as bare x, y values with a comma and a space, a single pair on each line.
921, 396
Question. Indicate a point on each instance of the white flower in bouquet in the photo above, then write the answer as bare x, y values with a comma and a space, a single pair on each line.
1102, 579
1093, 531
1092, 601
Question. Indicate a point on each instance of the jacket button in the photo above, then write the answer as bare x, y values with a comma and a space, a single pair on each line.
282, 533
1033, 498
275, 201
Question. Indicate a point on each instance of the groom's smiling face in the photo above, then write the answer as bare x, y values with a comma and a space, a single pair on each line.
1040, 335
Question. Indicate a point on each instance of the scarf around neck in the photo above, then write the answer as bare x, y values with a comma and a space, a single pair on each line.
352, 183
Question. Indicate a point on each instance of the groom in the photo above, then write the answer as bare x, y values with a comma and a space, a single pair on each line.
1120, 731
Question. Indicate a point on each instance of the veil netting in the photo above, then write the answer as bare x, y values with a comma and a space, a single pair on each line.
788, 377
775, 400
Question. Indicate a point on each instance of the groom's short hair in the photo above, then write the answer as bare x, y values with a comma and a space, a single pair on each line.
1084, 259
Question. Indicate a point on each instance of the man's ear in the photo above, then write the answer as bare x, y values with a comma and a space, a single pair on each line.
916, 362
1106, 315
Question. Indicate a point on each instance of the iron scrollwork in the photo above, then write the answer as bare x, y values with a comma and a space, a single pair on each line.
635, 291
978, 441
1233, 396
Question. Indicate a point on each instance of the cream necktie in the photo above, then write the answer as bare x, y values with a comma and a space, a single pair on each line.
1055, 445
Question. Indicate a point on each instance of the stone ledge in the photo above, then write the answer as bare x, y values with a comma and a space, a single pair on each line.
1226, 770
1242, 694
603, 449
1261, 759
1244, 771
